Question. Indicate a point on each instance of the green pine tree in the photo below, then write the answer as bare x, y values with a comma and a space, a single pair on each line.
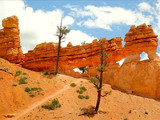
97, 80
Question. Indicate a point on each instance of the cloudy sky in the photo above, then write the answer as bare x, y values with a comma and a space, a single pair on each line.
87, 19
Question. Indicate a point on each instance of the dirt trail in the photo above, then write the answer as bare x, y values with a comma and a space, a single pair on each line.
38, 103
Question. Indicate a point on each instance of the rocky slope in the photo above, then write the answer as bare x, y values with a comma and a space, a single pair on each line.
10, 41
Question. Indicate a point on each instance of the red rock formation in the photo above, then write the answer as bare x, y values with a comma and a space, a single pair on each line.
129, 77
141, 77
43, 57
139, 39
10, 41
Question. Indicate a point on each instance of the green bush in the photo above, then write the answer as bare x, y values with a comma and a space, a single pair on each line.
80, 91
24, 73
18, 73
87, 97
36, 89
45, 73
54, 104
81, 97
32, 95
49, 107
82, 88
27, 89
22, 80
33, 91
108, 92
73, 85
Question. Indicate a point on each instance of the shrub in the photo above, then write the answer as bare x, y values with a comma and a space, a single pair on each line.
18, 73
49, 107
81, 96
83, 69
45, 73
82, 88
87, 97
24, 73
54, 104
22, 80
33, 91
80, 91
36, 89
32, 95
27, 89
1, 78
108, 92
73, 85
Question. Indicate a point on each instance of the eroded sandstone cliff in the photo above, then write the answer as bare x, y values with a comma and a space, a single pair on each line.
10, 48
141, 77
140, 39
138, 77
43, 57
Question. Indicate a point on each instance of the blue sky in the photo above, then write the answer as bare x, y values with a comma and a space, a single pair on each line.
117, 30
87, 19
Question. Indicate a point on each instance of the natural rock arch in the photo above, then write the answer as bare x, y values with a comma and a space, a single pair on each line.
140, 39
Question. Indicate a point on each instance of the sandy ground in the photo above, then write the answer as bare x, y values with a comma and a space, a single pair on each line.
116, 106
13, 99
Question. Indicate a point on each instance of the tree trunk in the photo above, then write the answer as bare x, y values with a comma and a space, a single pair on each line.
59, 45
101, 75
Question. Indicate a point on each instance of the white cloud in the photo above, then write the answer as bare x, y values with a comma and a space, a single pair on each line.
104, 17
144, 6
158, 54
76, 37
38, 26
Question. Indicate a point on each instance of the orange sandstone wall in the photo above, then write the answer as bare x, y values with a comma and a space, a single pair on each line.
43, 57
139, 77
10, 48
139, 39
134, 76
